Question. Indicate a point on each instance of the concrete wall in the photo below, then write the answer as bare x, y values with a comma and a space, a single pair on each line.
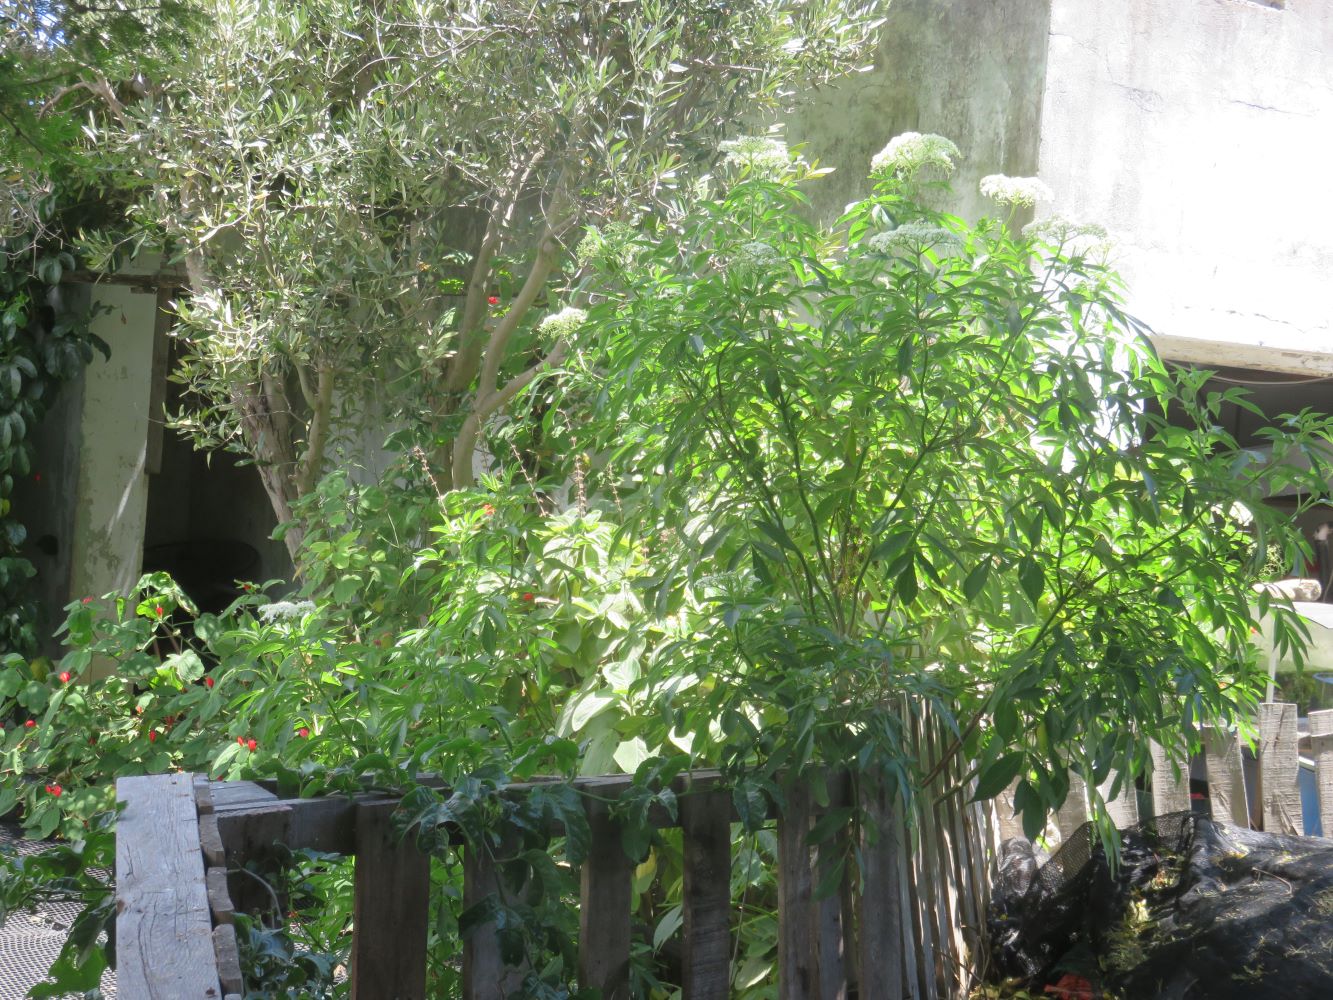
111, 495
970, 70
1199, 133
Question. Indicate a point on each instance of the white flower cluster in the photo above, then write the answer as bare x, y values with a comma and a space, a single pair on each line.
610, 246
907, 153
753, 257
763, 155
282, 611
1057, 229
1021, 192
916, 236
559, 325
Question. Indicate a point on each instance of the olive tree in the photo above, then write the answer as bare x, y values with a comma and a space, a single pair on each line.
376, 202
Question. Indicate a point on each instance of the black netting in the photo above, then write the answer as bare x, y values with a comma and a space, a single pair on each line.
1197, 910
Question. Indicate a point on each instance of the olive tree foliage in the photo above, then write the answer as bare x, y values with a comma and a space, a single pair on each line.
385, 194
908, 460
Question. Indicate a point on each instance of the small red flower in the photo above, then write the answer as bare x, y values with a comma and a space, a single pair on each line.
138, 710
488, 509
493, 300
247, 587
240, 741
159, 611
528, 596
303, 732
152, 736
252, 744
208, 682
54, 790
87, 600
30, 724
64, 676
37, 477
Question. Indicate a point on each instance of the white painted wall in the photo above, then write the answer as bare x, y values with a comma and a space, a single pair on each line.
1200, 133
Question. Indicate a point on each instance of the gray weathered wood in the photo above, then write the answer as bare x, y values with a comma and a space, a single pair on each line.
705, 821
1226, 776
604, 909
250, 835
797, 974
228, 958
210, 841
881, 930
1279, 768
390, 913
1170, 782
485, 976
164, 932
830, 935
219, 899
1124, 808
907, 942
1321, 748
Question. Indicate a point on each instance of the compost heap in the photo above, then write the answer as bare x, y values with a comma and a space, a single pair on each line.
1198, 910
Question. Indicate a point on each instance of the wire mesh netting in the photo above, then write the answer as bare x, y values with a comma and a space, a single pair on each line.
30, 942
1196, 910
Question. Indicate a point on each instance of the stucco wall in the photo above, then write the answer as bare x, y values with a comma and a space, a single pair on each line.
1199, 133
970, 70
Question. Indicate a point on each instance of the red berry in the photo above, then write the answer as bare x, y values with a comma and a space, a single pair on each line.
208, 682
528, 596
54, 790
152, 736
251, 743
64, 676
303, 732
31, 724
493, 300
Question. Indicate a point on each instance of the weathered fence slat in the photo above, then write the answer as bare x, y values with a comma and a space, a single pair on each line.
485, 975
604, 910
881, 930
1321, 748
390, 913
1279, 768
1226, 776
705, 820
164, 932
1170, 782
1124, 808
797, 974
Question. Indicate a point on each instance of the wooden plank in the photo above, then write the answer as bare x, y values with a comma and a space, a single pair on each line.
830, 935
390, 913
250, 836
705, 821
1321, 748
219, 899
908, 941
604, 908
210, 841
797, 975
164, 932
1226, 776
164, 317
1170, 782
881, 930
1279, 768
232, 795
203, 795
485, 976
228, 958
1124, 808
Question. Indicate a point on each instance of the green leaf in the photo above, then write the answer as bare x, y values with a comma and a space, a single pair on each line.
1031, 579
976, 580
996, 776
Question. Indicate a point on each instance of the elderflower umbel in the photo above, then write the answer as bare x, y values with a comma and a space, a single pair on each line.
1057, 229
560, 325
907, 153
612, 245
282, 611
749, 258
763, 155
914, 236
1021, 192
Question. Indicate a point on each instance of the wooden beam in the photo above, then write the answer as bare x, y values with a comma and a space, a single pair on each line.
1279, 769
164, 930
1321, 748
391, 912
1314, 361
604, 908
705, 821
1226, 776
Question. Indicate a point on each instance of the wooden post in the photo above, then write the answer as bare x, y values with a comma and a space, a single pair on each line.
390, 912
485, 976
830, 934
705, 820
1226, 776
1170, 782
881, 931
1124, 808
1321, 748
604, 911
164, 930
796, 938
1279, 768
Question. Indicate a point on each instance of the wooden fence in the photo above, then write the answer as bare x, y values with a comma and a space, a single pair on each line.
906, 922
